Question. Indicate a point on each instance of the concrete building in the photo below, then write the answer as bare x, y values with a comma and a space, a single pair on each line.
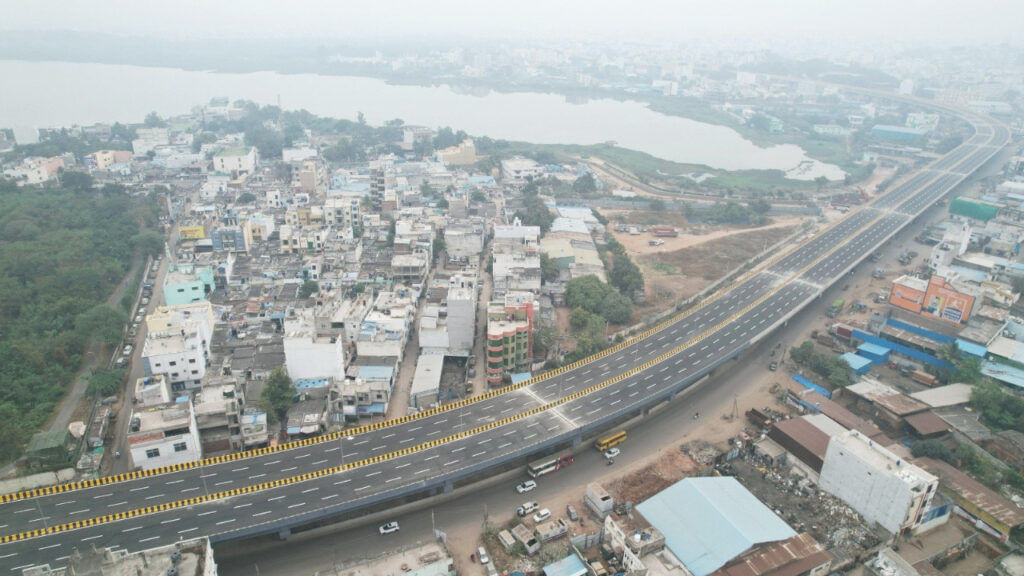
981, 506
232, 238
464, 241
516, 239
463, 154
34, 171
361, 397
309, 355
180, 353
509, 335
164, 435
517, 170
955, 240
187, 283
218, 410
880, 485
426, 383
516, 272
235, 160
254, 429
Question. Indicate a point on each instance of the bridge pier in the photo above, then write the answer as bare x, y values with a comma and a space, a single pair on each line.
448, 487
577, 439
284, 533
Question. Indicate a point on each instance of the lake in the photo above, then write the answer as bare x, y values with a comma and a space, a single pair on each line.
50, 94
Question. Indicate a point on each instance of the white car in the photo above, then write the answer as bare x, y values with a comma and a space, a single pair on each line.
127, 350
541, 516
482, 555
612, 453
389, 528
525, 487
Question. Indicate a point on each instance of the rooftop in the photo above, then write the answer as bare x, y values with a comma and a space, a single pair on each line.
974, 492
950, 395
709, 521
881, 459
887, 397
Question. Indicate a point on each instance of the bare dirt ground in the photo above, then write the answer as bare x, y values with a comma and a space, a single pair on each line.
672, 275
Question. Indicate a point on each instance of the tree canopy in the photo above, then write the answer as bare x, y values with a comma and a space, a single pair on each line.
278, 394
588, 293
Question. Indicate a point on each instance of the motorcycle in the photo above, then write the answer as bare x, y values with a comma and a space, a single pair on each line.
610, 461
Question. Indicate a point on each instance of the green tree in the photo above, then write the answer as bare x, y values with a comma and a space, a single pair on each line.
426, 189
103, 323
616, 308
656, 205
625, 275
477, 197
153, 120
586, 292
536, 213
278, 394
585, 185
77, 181
933, 449
105, 382
438, 246
308, 288
548, 268
149, 242
246, 198
443, 204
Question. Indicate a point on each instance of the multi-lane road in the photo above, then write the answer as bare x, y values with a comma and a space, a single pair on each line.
273, 491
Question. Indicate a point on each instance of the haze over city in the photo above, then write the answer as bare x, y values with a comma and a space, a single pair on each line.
512, 288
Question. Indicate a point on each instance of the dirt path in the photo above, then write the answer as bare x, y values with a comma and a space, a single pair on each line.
69, 403
639, 244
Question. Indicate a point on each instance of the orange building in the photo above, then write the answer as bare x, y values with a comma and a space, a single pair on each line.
933, 297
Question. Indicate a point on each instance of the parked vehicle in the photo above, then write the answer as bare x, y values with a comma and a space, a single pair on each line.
524, 487
773, 365
526, 509
541, 516
127, 350
612, 453
389, 528
482, 555
570, 510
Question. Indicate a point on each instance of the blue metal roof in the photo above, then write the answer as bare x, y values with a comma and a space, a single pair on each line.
571, 565
874, 349
709, 521
1003, 373
859, 364
808, 384
971, 348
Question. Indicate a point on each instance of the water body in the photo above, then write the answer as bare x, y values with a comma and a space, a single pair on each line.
50, 94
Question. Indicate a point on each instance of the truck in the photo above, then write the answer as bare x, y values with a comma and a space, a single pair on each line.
876, 256
923, 377
836, 308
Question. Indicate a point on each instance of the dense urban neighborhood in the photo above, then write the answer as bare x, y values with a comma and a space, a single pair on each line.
253, 340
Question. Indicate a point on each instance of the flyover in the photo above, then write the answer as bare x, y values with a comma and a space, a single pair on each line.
273, 490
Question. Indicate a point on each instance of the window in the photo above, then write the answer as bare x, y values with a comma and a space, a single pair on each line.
172, 363
180, 447
153, 453
191, 360
195, 371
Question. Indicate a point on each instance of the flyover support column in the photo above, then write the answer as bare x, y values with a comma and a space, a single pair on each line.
284, 533
577, 439
448, 487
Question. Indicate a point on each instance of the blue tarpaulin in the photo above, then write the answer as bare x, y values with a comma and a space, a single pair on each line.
971, 348
808, 384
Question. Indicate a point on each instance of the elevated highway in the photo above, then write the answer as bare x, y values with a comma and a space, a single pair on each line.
273, 490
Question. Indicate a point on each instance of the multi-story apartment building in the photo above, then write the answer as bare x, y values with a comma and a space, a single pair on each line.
509, 335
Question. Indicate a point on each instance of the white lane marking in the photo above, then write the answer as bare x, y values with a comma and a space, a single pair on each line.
362, 488
289, 469
207, 513
308, 490
186, 530
319, 462
257, 476
155, 496
373, 473
192, 489
329, 496
231, 520
139, 488
78, 511
421, 471
246, 505
116, 504
63, 503
94, 497
92, 537
275, 498
176, 481
296, 505
50, 546
224, 482
171, 521
301, 456
393, 479
400, 466
274, 462
262, 513
242, 469
343, 481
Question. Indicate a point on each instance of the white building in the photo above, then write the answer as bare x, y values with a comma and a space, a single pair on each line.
309, 356
235, 160
461, 305
147, 139
164, 435
426, 382
517, 169
152, 391
298, 154
955, 241
385, 329
180, 354
878, 484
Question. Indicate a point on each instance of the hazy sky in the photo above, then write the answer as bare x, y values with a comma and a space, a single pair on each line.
953, 21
